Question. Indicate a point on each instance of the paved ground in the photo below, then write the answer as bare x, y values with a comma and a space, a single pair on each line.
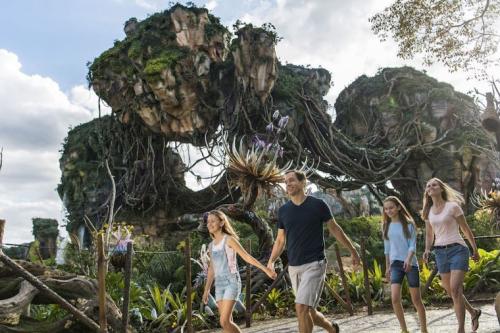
440, 320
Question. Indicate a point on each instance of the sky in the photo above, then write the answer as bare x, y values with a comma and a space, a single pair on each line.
45, 46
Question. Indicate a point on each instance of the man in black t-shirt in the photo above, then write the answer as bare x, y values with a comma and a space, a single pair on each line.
300, 228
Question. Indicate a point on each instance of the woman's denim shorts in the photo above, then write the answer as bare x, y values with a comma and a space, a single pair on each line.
398, 273
227, 287
452, 258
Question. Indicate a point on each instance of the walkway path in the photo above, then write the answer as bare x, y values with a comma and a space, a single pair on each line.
440, 320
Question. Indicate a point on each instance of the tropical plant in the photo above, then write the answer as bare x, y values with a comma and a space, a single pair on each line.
436, 291
168, 311
253, 164
486, 270
490, 202
276, 303
115, 284
377, 281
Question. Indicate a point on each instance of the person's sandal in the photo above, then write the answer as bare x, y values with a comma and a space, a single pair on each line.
475, 320
336, 326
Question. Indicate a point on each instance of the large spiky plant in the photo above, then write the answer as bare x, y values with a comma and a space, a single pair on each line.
491, 202
253, 168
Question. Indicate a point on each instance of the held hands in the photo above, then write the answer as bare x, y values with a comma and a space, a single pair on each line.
270, 272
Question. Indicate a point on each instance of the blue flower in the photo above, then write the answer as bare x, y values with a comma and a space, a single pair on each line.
276, 114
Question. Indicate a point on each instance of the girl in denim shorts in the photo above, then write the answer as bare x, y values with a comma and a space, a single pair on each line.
443, 220
223, 267
400, 239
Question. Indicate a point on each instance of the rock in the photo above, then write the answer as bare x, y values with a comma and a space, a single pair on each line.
402, 107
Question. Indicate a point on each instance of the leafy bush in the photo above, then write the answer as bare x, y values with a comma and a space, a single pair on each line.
480, 225
487, 269
279, 302
166, 311
369, 228
115, 283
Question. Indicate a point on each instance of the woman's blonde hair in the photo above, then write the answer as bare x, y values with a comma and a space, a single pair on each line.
448, 194
227, 228
404, 217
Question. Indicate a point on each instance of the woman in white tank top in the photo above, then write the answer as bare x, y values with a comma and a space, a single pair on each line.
444, 219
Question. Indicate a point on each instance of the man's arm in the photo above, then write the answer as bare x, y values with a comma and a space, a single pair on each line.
340, 235
279, 245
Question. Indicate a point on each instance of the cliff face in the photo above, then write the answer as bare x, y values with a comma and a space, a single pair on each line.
176, 70
161, 71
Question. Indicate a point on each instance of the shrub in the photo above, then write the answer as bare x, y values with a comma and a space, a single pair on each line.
480, 225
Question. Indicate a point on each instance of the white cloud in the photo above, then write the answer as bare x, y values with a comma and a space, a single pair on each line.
82, 96
34, 119
211, 4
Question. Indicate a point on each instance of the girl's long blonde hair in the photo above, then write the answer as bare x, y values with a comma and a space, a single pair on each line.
404, 217
227, 228
448, 194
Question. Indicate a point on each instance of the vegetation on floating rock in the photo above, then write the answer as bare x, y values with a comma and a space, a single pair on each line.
43, 228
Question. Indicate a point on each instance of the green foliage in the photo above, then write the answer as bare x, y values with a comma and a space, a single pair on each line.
487, 269
162, 268
436, 291
167, 310
481, 225
166, 59
115, 284
458, 34
47, 312
369, 228
280, 302
267, 28
17, 252
80, 261
43, 228
134, 50
288, 85
214, 27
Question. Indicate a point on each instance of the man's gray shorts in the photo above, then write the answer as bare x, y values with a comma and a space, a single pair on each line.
308, 281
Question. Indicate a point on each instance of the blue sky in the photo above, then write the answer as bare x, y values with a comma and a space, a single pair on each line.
56, 38
45, 45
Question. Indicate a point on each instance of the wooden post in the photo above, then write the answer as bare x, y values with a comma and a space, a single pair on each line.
429, 280
189, 310
2, 227
345, 285
101, 272
47, 291
337, 297
126, 291
248, 291
368, 295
